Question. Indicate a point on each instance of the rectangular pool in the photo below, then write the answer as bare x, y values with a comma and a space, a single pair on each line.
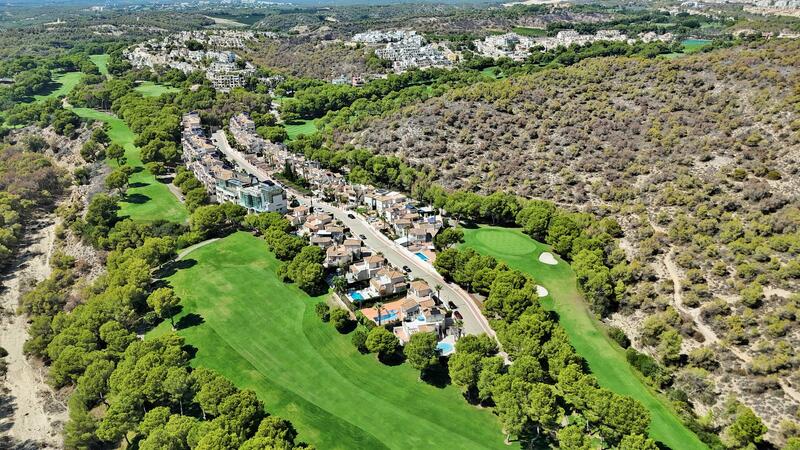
421, 256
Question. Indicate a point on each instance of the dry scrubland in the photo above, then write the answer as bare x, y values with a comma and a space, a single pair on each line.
696, 157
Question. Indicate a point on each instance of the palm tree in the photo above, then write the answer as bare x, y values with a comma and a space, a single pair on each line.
379, 307
339, 284
459, 324
438, 289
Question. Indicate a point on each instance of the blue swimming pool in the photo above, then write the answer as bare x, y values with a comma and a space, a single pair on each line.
421, 256
445, 347
392, 315
356, 296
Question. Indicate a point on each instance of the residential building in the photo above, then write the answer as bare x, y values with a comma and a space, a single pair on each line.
388, 281
366, 269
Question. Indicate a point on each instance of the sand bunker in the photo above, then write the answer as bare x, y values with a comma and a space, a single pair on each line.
541, 291
548, 258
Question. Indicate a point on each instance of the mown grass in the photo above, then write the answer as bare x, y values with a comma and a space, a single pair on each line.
263, 335
150, 89
101, 61
306, 127
146, 199
606, 359
66, 82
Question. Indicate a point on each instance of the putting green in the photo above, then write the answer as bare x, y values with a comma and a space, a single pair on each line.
264, 335
146, 199
606, 359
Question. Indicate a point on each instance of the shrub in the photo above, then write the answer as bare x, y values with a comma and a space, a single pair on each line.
619, 337
323, 311
359, 340
341, 319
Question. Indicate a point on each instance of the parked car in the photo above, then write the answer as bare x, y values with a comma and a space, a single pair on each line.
452, 305
407, 269
350, 216
458, 315
362, 237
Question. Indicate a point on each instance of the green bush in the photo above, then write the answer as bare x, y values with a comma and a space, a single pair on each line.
323, 311
619, 337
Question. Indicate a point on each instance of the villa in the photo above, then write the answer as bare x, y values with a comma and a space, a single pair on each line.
365, 269
388, 281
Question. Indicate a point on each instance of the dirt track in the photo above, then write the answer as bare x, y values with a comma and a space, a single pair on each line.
31, 416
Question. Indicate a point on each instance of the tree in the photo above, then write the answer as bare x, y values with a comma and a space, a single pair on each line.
213, 390
448, 237
359, 340
323, 311
93, 384
544, 410
165, 303
637, 442
464, 369
116, 152
340, 318
420, 351
746, 430
379, 307
117, 180
573, 437
121, 417
339, 284
381, 341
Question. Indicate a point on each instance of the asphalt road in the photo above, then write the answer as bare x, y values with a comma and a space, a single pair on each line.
474, 321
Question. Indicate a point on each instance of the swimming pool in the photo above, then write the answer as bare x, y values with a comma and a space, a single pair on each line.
445, 347
355, 295
392, 315
421, 256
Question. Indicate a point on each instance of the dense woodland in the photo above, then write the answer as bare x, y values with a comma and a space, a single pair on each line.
697, 159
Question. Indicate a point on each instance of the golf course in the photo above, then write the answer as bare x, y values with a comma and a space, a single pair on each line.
150, 89
101, 61
146, 199
263, 335
306, 127
66, 82
606, 359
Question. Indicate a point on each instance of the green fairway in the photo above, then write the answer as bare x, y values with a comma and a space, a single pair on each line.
490, 72
694, 45
66, 82
264, 335
530, 32
150, 89
606, 359
101, 61
147, 199
301, 127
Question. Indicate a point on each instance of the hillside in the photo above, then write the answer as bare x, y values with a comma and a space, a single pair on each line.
696, 157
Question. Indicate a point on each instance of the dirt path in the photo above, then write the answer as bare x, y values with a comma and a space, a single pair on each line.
709, 334
31, 416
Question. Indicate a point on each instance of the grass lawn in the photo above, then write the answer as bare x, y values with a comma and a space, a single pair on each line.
301, 127
264, 335
147, 198
150, 89
101, 61
605, 357
694, 45
490, 72
66, 81
532, 32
